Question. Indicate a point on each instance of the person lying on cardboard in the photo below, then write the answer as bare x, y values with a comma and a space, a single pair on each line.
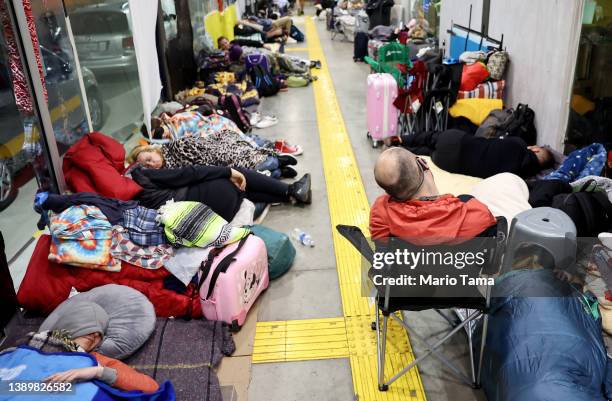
459, 152
81, 329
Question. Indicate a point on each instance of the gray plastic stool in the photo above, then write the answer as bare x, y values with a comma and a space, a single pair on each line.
550, 228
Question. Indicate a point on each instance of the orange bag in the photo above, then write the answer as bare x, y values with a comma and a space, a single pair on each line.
472, 75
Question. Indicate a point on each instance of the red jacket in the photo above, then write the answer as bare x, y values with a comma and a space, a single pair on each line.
95, 163
427, 222
47, 284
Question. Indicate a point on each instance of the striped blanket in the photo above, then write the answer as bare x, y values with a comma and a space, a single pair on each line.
485, 90
195, 224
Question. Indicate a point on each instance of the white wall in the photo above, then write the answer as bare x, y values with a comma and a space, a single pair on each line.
458, 11
541, 37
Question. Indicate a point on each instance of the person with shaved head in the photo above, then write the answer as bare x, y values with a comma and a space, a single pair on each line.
414, 208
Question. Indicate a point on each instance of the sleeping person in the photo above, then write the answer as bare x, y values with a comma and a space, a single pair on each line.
220, 188
81, 329
225, 148
459, 152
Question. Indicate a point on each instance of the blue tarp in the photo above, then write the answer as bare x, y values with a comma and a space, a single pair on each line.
547, 347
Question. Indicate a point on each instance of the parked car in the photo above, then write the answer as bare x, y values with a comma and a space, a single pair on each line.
67, 115
103, 37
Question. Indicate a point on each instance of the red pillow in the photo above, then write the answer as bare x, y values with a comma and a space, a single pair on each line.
472, 75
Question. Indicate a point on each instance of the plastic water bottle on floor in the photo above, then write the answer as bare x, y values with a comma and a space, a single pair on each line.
303, 237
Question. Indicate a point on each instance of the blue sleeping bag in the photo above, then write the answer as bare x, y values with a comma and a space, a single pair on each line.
547, 347
29, 364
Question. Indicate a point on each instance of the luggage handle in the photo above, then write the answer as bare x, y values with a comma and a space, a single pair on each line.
221, 267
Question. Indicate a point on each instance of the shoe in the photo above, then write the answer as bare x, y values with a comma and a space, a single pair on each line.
286, 160
288, 172
255, 118
301, 191
281, 146
290, 41
266, 121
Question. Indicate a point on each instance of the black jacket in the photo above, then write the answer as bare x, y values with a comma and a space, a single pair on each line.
206, 184
459, 152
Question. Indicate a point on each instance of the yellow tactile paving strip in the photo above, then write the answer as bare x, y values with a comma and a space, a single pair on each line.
351, 335
300, 340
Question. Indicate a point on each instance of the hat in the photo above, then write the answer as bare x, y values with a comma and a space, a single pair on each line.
235, 52
83, 318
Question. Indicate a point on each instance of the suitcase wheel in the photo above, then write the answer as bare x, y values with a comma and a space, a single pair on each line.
234, 327
374, 142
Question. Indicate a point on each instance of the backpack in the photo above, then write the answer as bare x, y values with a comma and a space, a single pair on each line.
496, 64
281, 251
511, 122
591, 212
256, 59
263, 80
234, 111
296, 34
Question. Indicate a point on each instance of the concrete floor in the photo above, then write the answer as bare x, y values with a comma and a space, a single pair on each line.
310, 289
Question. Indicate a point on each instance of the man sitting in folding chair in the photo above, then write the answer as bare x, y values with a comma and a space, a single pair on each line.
415, 214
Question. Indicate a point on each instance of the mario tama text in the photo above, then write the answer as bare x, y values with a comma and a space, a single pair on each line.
432, 271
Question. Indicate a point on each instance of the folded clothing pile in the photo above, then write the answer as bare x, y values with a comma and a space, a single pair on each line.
82, 236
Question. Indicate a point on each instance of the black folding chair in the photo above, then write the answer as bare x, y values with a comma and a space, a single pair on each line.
468, 309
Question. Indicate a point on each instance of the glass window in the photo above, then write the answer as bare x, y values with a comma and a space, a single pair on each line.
591, 104
105, 46
24, 167
430, 11
100, 23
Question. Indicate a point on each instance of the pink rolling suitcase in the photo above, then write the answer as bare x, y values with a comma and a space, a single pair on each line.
231, 279
382, 115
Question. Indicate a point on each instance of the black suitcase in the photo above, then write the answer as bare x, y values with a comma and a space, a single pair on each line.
360, 46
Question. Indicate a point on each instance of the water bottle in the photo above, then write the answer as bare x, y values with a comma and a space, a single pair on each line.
303, 237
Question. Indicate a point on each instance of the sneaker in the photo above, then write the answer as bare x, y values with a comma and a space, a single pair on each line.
281, 146
286, 160
301, 190
288, 172
266, 122
290, 41
255, 118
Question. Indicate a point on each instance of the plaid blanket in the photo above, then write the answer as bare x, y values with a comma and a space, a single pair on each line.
485, 90
142, 227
